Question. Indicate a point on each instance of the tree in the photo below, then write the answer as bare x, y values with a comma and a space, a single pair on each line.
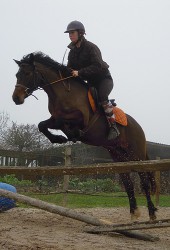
4, 119
24, 138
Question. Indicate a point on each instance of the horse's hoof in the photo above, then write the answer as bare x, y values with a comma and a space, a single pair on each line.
152, 217
58, 139
135, 215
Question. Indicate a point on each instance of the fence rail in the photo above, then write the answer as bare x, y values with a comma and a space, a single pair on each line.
102, 168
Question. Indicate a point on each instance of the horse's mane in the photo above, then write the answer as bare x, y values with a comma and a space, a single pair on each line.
40, 57
44, 59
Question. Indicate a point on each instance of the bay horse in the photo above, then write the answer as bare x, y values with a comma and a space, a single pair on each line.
71, 113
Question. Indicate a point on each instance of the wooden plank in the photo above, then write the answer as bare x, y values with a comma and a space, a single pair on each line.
141, 236
67, 212
104, 168
158, 185
66, 177
130, 226
29, 155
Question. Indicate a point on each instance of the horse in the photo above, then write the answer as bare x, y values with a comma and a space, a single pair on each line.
71, 113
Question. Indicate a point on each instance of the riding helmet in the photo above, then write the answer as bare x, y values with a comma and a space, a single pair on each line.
75, 25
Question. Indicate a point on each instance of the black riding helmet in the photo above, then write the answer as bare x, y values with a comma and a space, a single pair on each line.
75, 25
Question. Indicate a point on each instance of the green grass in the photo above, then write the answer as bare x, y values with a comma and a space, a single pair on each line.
90, 201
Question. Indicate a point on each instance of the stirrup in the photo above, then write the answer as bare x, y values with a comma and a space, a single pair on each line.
113, 132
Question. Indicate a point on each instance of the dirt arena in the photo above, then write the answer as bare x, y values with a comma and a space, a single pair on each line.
34, 229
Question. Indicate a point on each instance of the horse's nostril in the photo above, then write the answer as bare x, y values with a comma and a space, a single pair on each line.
16, 100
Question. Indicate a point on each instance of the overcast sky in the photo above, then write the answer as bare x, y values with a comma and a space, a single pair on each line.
133, 36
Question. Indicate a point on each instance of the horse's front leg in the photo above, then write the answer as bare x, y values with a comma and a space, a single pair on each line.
52, 124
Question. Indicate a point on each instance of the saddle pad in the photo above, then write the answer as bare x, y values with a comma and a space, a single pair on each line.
91, 101
120, 116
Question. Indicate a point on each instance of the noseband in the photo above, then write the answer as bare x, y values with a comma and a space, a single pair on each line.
26, 90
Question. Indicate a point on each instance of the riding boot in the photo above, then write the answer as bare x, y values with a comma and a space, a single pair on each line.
113, 131
108, 109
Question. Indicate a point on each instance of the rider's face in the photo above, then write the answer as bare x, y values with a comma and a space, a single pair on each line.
73, 36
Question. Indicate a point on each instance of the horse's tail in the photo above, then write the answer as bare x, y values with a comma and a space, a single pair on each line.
151, 176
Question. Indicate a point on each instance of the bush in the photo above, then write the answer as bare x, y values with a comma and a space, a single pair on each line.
13, 180
92, 185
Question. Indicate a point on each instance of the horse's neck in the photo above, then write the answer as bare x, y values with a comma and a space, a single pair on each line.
69, 94
48, 74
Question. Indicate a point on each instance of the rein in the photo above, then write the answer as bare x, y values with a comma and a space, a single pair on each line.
60, 80
51, 83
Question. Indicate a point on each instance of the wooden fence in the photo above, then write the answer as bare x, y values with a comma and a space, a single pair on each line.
102, 168
35, 173
96, 169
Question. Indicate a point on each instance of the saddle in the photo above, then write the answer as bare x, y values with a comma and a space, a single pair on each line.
120, 116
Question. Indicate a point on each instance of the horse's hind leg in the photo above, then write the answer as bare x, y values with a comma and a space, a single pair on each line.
145, 182
129, 187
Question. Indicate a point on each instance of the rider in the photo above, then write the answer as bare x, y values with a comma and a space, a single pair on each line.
86, 61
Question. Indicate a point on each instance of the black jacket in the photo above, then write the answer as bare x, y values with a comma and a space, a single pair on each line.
87, 59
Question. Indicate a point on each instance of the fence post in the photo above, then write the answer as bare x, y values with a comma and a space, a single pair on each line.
66, 177
157, 179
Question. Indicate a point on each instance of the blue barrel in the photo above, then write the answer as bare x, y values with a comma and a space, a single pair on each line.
7, 203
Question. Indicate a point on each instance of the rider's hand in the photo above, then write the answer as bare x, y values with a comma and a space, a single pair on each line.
75, 73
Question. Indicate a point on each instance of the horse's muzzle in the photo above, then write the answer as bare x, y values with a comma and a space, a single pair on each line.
17, 100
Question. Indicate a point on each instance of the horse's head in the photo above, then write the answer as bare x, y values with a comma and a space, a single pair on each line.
37, 70
27, 79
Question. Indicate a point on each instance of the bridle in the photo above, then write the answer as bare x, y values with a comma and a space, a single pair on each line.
39, 76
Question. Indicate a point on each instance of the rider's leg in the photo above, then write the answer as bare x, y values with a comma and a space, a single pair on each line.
108, 109
104, 88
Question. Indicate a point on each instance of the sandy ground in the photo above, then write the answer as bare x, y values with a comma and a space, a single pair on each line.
34, 229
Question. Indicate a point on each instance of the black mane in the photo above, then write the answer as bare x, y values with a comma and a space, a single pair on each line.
45, 60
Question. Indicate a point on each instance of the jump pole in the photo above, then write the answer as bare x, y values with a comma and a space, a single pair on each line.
71, 213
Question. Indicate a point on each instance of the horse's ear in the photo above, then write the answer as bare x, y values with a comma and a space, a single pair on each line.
31, 59
17, 62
